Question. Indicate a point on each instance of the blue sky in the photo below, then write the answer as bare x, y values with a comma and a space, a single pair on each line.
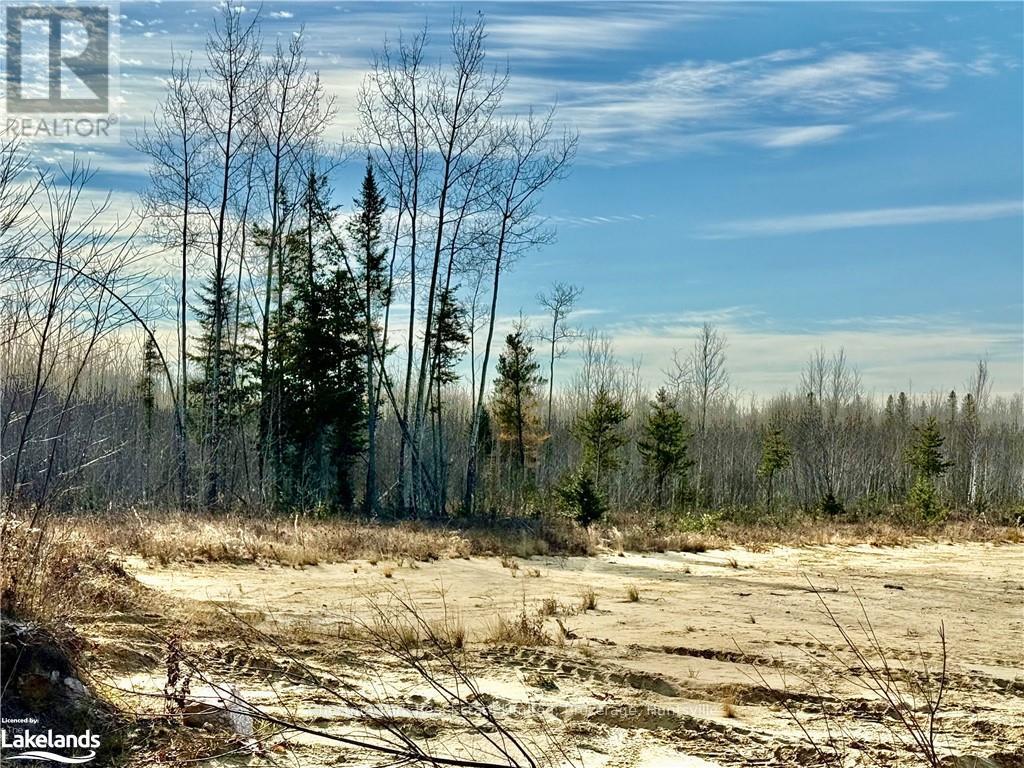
803, 175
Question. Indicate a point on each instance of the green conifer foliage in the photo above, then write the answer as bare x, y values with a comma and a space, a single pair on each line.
925, 456
517, 398
776, 456
663, 445
600, 431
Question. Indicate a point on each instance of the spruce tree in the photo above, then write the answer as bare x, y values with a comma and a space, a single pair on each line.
579, 496
147, 383
322, 361
600, 431
925, 456
517, 397
222, 389
776, 456
365, 230
450, 339
664, 442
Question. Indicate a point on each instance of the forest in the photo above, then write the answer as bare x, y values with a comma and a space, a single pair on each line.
251, 338
287, 476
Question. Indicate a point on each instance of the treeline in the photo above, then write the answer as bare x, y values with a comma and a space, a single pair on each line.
312, 350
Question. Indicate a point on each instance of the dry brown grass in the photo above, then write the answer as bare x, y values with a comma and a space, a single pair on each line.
548, 607
632, 593
588, 599
517, 629
290, 541
53, 574
805, 532
301, 541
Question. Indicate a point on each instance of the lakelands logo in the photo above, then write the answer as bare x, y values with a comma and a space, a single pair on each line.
59, 76
40, 746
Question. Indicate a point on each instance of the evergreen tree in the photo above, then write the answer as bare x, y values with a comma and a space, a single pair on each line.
222, 390
897, 426
579, 496
322, 361
450, 339
664, 442
365, 230
925, 456
517, 397
600, 431
776, 456
903, 409
147, 383
147, 386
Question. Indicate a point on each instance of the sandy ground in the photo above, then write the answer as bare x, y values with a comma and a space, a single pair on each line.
725, 659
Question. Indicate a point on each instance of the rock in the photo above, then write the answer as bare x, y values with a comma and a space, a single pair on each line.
201, 715
76, 687
223, 710
43, 689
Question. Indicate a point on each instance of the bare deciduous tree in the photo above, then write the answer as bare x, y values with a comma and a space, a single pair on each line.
559, 302
529, 159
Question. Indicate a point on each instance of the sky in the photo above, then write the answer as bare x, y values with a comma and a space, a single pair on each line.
802, 175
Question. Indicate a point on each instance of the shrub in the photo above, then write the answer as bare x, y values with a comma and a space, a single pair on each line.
831, 506
580, 498
924, 499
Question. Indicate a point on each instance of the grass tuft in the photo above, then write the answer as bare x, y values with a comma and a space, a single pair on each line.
588, 599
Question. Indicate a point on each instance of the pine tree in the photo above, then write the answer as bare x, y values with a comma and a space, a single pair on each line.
600, 431
664, 442
517, 397
776, 456
925, 456
365, 230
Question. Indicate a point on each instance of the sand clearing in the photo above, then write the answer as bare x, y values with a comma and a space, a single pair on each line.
671, 679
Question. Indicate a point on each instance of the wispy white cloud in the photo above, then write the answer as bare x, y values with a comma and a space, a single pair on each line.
779, 100
877, 217
541, 36
796, 136
588, 221
916, 353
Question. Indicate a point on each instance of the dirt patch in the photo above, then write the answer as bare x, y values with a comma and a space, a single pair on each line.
715, 665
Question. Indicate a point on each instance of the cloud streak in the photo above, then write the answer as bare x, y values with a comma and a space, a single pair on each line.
780, 100
919, 353
876, 217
